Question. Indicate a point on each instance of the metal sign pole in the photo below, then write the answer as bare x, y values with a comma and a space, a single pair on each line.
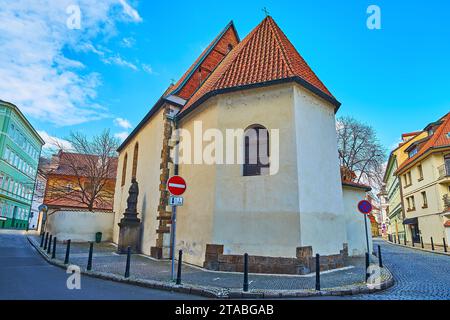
367, 234
173, 227
173, 239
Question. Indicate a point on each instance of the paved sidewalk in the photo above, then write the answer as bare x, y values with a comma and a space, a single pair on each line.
106, 260
427, 247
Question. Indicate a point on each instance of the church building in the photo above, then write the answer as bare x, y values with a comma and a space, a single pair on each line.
282, 211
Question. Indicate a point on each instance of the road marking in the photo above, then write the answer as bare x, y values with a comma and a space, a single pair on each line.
215, 279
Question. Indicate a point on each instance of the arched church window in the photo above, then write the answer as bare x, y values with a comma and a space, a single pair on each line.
124, 169
135, 160
256, 153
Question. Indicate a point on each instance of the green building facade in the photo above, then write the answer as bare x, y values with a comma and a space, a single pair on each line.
20, 148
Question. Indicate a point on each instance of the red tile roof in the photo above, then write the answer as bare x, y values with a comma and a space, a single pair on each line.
439, 139
356, 185
63, 164
206, 62
265, 55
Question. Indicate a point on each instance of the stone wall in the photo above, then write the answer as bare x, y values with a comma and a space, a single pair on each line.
80, 226
304, 262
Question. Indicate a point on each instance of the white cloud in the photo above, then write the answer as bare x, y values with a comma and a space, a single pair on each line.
121, 135
123, 123
128, 42
118, 60
35, 72
130, 11
108, 57
147, 68
54, 143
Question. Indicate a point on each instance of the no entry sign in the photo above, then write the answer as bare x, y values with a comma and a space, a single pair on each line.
176, 185
365, 207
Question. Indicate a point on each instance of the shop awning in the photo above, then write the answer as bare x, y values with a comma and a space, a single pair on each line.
410, 221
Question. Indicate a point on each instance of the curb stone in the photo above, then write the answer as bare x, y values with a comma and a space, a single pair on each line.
222, 293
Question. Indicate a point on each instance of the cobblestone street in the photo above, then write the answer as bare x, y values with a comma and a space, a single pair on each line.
418, 275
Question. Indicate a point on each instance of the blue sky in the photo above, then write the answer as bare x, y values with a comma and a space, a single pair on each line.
110, 73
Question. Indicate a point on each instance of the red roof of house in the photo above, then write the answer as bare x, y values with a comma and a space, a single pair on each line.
356, 185
205, 63
440, 138
264, 56
63, 164
410, 134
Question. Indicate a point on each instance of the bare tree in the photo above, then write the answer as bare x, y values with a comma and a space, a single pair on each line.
360, 152
85, 172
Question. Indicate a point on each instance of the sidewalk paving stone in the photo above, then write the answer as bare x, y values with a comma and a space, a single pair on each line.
107, 261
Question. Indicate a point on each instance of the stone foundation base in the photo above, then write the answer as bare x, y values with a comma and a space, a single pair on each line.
156, 252
304, 263
129, 236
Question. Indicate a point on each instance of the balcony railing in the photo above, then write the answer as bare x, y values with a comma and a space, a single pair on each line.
444, 170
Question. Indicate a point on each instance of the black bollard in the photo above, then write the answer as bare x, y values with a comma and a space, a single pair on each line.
317, 272
91, 249
445, 244
49, 248
245, 272
42, 240
432, 244
404, 238
127, 266
66, 260
421, 241
367, 266
54, 248
180, 261
380, 261
46, 241
412, 240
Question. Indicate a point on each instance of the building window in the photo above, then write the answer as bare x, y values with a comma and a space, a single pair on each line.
124, 169
411, 203
419, 167
407, 179
425, 200
413, 152
256, 144
135, 160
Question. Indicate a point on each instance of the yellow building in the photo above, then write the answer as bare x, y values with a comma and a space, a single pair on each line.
281, 209
425, 183
392, 190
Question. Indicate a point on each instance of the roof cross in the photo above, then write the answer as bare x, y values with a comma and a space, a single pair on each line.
266, 11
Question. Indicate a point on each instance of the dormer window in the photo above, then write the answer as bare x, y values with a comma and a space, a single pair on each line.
230, 47
413, 152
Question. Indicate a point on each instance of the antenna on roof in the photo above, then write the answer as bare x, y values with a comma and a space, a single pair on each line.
266, 11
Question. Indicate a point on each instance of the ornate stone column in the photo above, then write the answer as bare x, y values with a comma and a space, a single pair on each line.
130, 224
